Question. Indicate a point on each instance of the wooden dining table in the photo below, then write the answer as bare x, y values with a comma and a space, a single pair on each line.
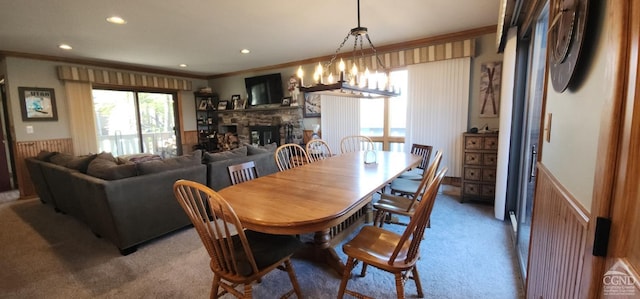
315, 197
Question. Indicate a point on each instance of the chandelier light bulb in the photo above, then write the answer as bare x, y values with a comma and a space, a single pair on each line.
330, 78
300, 75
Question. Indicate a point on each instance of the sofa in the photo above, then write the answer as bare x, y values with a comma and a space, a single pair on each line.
127, 203
130, 200
218, 163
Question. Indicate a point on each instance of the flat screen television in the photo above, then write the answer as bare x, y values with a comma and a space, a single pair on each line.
264, 89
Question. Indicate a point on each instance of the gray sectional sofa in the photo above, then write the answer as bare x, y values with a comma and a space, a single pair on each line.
131, 201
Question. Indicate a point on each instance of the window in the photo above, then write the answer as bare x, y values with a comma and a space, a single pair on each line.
131, 122
384, 120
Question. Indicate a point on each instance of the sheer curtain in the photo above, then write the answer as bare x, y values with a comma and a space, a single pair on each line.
340, 118
437, 108
81, 117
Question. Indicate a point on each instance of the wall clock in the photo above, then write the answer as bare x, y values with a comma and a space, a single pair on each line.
566, 35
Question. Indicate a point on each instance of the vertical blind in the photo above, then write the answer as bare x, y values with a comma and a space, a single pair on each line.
340, 118
437, 108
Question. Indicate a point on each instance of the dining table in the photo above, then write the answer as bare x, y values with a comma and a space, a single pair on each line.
316, 197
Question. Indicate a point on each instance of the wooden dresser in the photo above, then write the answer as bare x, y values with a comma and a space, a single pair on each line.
479, 169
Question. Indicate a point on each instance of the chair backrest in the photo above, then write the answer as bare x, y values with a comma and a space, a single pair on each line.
415, 229
242, 172
290, 156
318, 149
222, 236
355, 143
428, 176
424, 151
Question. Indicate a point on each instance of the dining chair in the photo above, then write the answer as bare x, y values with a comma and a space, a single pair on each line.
238, 256
318, 149
290, 156
390, 204
242, 172
391, 252
417, 172
406, 186
355, 143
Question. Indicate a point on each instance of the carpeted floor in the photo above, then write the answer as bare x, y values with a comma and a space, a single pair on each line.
465, 254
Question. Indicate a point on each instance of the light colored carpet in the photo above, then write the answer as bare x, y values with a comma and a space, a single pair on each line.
465, 254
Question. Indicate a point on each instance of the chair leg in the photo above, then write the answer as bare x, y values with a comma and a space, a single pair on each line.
379, 218
364, 269
399, 285
248, 290
292, 277
416, 279
214, 287
345, 276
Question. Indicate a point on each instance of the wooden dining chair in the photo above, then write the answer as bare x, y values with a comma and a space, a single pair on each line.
417, 172
290, 156
388, 251
242, 172
390, 204
318, 149
407, 186
355, 143
238, 256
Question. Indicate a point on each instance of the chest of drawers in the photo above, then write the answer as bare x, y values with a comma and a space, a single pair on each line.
479, 168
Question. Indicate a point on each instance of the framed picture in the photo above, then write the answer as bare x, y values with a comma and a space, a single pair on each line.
38, 104
490, 73
235, 102
286, 101
222, 105
203, 104
311, 105
240, 104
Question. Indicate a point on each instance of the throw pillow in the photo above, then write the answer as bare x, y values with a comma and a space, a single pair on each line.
45, 155
61, 159
226, 155
81, 163
107, 168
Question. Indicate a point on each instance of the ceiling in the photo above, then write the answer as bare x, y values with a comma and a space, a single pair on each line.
207, 35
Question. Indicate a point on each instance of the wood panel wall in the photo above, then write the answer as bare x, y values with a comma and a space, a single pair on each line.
25, 149
558, 237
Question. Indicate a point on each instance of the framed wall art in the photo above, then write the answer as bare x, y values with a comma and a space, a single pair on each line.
311, 105
490, 73
38, 104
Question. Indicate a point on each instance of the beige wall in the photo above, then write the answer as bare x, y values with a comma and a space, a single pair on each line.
227, 86
485, 52
571, 154
39, 73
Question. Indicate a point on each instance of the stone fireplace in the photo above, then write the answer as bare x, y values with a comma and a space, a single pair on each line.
263, 125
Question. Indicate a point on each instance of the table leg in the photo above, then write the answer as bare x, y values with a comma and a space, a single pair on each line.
325, 253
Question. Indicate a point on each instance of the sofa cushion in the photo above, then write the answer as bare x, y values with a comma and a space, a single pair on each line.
45, 155
136, 158
254, 150
155, 166
226, 155
81, 163
106, 167
61, 159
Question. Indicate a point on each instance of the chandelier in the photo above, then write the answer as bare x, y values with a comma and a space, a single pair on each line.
359, 81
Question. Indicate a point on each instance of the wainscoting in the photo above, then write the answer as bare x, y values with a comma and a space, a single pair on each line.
558, 241
25, 149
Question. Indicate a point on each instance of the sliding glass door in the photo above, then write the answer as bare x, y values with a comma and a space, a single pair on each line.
131, 122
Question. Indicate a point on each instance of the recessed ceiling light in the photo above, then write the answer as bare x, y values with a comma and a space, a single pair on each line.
116, 20
182, 65
245, 51
64, 47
